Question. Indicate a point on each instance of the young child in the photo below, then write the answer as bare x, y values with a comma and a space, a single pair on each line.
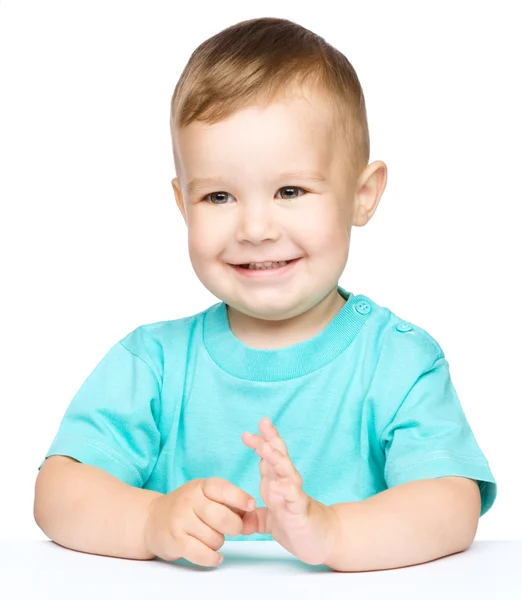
335, 415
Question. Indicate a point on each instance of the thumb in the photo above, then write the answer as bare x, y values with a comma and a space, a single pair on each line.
255, 521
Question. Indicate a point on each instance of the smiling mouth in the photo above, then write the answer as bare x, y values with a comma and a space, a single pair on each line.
272, 264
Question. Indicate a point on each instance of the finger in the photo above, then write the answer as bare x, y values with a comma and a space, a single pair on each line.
256, 521
270, 434
222, 491
281, 463
204, 532
252, 440
293, 494
266, 450
219, 516
238, 511
266, 469
250, 523
256, 442
198, 553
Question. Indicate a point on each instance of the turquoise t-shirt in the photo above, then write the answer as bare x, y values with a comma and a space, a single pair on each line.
363, 406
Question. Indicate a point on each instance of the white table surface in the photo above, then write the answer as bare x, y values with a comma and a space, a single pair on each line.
253, 570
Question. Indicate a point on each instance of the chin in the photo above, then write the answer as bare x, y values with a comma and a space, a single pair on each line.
275, 310
269, 316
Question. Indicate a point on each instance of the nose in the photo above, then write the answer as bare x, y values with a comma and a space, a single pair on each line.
256, 222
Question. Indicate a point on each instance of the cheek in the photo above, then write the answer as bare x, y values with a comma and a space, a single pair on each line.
322, 231
207, 241
200, 244
201, 235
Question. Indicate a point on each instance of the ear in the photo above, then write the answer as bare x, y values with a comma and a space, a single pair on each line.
179, 197
370, 186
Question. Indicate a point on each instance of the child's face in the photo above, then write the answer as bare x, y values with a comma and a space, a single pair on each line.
252, 213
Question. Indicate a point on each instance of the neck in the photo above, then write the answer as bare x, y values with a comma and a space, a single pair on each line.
267, 335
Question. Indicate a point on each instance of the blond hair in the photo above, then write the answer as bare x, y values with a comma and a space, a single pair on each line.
257, 61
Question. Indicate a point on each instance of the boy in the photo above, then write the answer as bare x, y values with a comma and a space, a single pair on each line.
364, 458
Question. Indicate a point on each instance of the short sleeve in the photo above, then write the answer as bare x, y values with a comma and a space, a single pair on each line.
429, 436
111, 422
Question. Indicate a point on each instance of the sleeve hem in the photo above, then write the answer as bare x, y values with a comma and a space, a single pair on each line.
443, 466
92, 452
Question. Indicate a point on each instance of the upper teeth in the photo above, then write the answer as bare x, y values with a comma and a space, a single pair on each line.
267, 265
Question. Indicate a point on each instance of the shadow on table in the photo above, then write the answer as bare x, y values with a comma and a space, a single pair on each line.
288, 564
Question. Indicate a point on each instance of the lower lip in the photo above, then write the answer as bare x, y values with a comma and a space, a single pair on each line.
263, 273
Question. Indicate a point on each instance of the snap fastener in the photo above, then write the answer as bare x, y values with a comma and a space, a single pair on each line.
362, 307
404, 326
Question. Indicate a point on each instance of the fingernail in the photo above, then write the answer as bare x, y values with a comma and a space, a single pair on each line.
251, 504
220, 559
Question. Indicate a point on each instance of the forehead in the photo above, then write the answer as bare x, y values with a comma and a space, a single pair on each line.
294, 133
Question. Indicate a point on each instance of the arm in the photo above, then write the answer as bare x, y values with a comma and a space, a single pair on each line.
87, 509
408, 524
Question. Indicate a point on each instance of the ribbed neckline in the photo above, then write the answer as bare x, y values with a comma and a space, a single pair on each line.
245, 362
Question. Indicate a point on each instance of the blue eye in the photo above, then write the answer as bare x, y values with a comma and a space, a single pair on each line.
212, 196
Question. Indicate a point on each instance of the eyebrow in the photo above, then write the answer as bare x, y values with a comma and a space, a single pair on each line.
200, 182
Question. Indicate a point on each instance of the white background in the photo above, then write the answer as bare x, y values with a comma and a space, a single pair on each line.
92, 244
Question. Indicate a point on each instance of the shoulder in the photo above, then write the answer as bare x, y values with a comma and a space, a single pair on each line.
398, 354
399, 342
154, 342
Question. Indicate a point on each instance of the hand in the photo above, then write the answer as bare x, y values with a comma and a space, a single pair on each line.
190, 521
305, 527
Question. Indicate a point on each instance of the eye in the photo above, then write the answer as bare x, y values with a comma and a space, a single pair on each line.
214, 194
286, 188
220, 197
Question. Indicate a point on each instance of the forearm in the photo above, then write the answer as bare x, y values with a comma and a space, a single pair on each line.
84, 508
405, 525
